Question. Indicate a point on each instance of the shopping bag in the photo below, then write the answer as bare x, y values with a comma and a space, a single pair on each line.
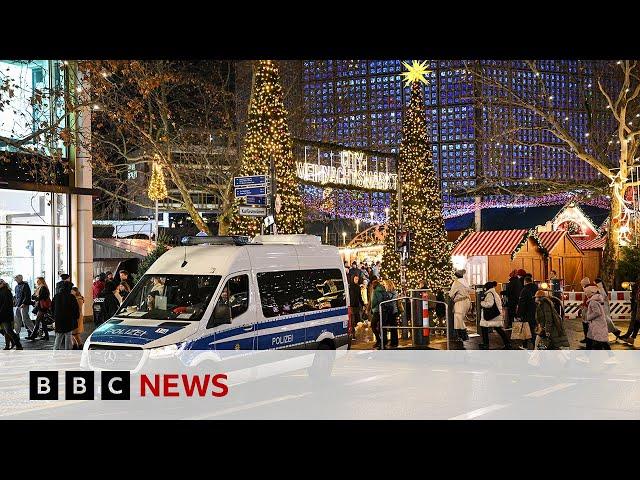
520, 331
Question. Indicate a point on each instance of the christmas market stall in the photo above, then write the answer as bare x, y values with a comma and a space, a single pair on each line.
491, 255
563, 255
592, 250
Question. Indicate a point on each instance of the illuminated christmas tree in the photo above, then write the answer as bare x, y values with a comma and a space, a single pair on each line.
268, 138
390, 258
430, 259
157, 189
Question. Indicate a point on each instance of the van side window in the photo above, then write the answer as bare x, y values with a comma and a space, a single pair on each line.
279, 293
284, 293
235, 295
323, 289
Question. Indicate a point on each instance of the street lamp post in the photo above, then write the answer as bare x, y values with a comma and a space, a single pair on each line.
357, 225
344, 239
371, 215
386, 212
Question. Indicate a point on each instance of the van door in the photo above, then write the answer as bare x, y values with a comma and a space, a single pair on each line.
238, 332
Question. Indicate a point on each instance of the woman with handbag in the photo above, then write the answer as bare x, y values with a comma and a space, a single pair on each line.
42, 298
492, 316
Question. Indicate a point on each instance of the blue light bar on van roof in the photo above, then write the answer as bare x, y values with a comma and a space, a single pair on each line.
215, 240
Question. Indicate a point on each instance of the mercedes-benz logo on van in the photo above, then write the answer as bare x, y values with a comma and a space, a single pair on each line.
110, 356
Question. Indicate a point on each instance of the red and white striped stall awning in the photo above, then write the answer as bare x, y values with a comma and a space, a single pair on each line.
550, 239
497, 242
595, 244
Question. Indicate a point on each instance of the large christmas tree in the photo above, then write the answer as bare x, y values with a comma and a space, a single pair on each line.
430, 259
268, 138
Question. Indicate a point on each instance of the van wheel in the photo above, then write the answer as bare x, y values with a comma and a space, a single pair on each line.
323, 361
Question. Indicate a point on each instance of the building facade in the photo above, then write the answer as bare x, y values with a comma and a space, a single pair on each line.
45, 176
359, 103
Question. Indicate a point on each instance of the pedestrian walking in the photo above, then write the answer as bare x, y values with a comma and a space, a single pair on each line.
355, 301
512, 292
375, 269
98, 285
634, 324
11, 338
459, 295
597, 332
42, 298
75, 335
550, 324
379, 294
23, 305
392, 312
526, 309
607, 308
582, 313
65, 313
491, 304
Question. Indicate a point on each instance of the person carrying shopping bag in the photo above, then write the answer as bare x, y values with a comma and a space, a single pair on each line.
550, 325
492, 316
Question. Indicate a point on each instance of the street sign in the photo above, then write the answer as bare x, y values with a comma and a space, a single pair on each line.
254, 200
253, 211
250, 191
251, 181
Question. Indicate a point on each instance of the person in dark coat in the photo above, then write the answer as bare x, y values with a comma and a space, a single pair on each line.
512, 292
23, 305
355, 300
106, 305
634, 324
526, 309
64, 278
354, 270
65, 313
6, 317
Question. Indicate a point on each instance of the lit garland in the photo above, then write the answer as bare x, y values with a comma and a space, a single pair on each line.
533, 233
157, 186
430, 258
268, 137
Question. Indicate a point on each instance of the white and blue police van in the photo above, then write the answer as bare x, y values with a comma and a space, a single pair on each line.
226, 294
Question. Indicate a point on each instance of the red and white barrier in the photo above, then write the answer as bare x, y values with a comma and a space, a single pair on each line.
425, 314
619, 303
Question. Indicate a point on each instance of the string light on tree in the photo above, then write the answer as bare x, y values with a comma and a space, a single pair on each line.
430, 259
157, 189
268, 138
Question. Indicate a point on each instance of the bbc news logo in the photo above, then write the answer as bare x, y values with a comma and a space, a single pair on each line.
116, 385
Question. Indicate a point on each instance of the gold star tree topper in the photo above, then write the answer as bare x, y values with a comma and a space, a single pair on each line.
417, 71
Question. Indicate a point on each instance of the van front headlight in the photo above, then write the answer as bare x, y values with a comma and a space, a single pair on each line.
163, 352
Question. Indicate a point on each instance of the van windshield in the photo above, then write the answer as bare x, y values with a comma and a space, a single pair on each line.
170, 297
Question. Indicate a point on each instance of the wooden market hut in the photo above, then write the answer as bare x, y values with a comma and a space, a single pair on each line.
492, 255
593, 251
562, 254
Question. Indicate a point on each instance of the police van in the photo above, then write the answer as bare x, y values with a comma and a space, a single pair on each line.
221, 294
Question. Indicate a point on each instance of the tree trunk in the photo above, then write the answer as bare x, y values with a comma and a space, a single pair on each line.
186, 198
612, 248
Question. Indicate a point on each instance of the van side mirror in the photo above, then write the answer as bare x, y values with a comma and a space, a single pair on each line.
221, 316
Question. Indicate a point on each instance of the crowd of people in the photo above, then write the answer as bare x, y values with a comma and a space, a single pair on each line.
63, 311
369, 297
523, 314
109, 292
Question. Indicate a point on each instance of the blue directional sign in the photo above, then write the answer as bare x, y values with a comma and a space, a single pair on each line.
251, 191
250, 181
256, 200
